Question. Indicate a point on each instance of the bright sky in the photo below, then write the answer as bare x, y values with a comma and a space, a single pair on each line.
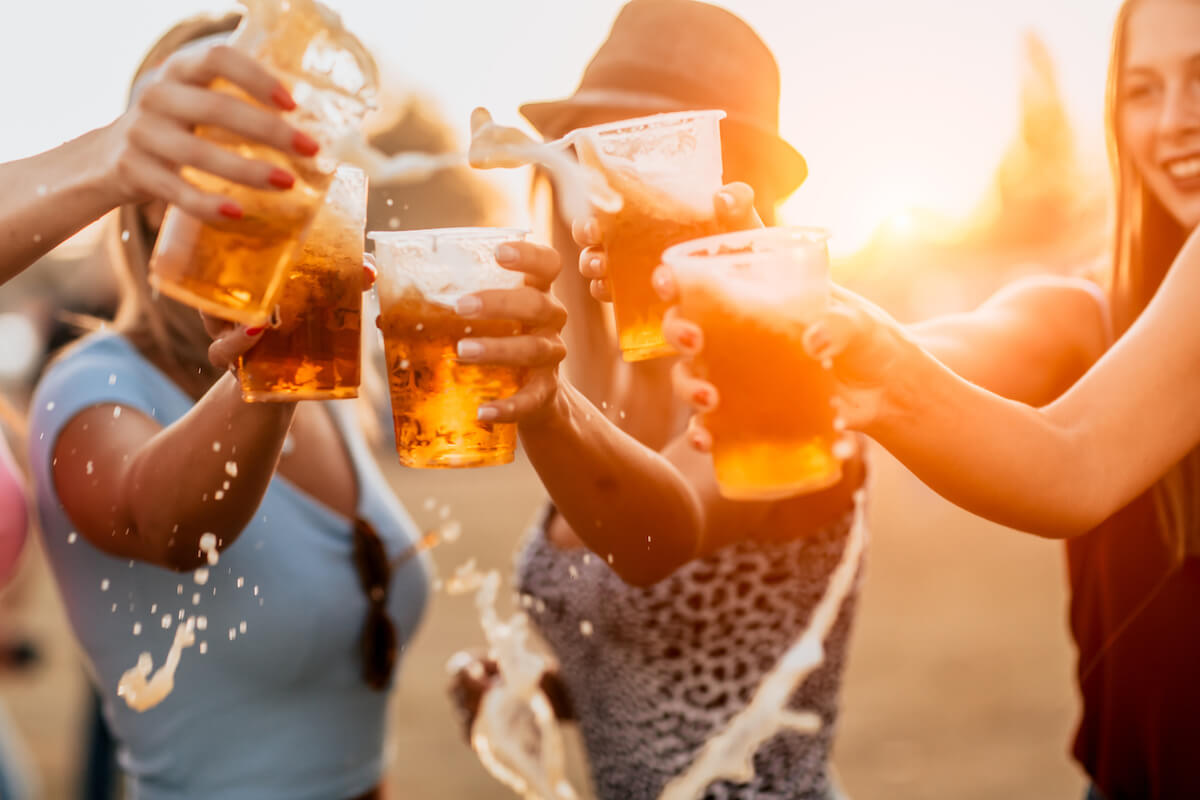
894, 103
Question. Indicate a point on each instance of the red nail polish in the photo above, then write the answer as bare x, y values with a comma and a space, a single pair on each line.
687, 339
281, 178
283, 98
255, 331
304, 144
230, 209
700, 397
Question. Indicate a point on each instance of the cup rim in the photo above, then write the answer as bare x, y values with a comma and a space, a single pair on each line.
447, 233
690, 253
655, 120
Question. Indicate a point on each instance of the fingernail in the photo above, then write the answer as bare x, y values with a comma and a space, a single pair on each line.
697, 443
592, 231
818, 339
283, 98
230, 209
727, 201
281, 178
594, 263
486, 414
700, 397
506, 254
468, 348
304, 144
255, 331
687, 339
469, 305
659, 281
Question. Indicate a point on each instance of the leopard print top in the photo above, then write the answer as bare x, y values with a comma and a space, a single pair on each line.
653, 672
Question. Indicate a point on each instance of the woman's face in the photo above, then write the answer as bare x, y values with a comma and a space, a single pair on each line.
1159, 122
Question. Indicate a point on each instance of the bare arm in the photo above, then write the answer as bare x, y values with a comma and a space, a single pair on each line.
50, 196
619, 497
141, 491
1060, 470
1028, 342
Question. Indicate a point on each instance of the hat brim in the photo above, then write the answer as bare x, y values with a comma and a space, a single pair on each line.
552, 119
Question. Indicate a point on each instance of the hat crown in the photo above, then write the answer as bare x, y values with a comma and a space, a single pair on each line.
699, 54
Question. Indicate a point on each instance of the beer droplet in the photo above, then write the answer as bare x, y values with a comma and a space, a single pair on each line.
50, 406
166, 620
137, 629
200, 576
154, 608
124, 236
116, 412
201, 623
71, 537
573, 571
90, 468
231, 469
241, 582
451, 531
216, 447
586, 628
112, 379
104, 585
203, 648
394, 223
242, 626
219, 495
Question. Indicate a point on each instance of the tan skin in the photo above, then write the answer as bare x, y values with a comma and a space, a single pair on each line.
136, 158
1073, 462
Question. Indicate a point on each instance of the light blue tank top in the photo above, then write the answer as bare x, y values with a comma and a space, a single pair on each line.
277, 710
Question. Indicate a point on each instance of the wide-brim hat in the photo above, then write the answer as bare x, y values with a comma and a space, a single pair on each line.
682, 55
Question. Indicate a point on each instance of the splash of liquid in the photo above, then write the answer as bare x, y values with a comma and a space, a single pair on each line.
142, 691
516, 733
579, 188
402, 168
729, 755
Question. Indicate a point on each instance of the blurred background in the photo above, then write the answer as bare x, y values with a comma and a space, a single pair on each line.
952, 147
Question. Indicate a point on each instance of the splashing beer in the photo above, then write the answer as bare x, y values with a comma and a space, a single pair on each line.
774, 431
315, 350
667, 169
435, 397
235, 268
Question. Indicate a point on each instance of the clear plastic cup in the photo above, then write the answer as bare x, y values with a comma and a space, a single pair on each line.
753, 293
314, 348
666, 168
235, 268
435, 397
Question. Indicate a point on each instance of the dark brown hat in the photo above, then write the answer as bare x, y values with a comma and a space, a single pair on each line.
681, 55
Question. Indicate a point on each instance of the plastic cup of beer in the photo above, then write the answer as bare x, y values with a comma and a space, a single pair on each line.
235, 268
753, 293
435, 397
313, 350
666, 168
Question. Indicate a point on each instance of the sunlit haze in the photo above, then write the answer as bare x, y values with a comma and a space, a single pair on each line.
895, 105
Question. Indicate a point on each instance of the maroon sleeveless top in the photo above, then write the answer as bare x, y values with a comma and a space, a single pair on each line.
1136, 622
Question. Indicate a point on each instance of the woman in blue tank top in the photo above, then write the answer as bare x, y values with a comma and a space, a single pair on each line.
143, 453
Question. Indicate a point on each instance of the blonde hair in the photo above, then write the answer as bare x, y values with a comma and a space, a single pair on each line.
1146, 241
171, 329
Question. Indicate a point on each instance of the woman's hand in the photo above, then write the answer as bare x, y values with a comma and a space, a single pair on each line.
230, 341
734, 206
148, 144
867, 351
541, 316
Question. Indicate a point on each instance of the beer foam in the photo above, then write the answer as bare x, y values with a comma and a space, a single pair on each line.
402, 168
140, 690
442, 264
578, 188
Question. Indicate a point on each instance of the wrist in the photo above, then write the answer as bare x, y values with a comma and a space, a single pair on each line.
553, 411
97, 169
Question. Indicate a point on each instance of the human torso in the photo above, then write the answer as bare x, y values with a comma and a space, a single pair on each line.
652, 673
276, 706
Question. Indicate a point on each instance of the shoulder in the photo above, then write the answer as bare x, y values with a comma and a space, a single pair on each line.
1073, 306
102, 368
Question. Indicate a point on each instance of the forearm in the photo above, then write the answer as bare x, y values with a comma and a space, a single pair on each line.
1003, 460
14, 519
49, 197
208, 472
621, 498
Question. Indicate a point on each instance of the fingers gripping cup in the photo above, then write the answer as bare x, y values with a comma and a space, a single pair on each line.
235, 268
435, 397
752, 293
313, 352
667, 169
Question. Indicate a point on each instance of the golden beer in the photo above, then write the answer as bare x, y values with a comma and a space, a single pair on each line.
774, 429
666, 169
436, 397
314, 350
235, 268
